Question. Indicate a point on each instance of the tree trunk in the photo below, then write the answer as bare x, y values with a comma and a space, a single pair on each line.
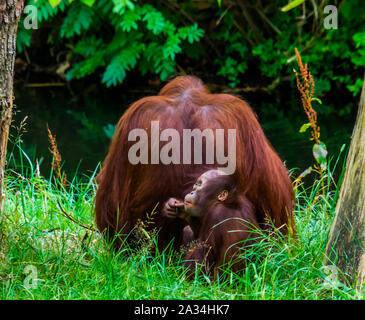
10, 11
346, 245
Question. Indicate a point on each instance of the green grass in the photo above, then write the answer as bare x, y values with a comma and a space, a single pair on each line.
74, 263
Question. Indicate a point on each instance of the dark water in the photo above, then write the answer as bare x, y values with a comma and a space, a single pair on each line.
83, 122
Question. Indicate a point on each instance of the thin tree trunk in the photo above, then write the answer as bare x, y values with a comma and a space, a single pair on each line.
346, 245
10, 11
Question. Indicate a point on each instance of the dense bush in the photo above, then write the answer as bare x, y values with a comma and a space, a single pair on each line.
113, 37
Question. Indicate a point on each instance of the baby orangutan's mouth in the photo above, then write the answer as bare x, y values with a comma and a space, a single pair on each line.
188, 203
178, 203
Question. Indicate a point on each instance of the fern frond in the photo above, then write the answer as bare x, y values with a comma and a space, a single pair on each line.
79, 18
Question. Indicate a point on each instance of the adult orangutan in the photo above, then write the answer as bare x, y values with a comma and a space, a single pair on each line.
129, 190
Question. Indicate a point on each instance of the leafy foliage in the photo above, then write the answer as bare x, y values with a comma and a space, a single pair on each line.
115, 37
335, 55
78, 19
238, 44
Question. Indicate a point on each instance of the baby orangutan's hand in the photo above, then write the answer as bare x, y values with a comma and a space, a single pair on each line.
173, 208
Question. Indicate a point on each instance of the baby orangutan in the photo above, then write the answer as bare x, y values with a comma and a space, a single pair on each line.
219, 220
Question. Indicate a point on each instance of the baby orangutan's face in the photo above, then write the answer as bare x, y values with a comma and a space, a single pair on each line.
203, 194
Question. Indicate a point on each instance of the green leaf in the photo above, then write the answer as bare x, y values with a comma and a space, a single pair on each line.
89, 46
121, 5
165, 68
292, 5
23, 37
304, 127
172, 46
305, 172
155, 21
356, 87
317, 99
54, 3
89, 3
125, 60
87, 66
109, 130
320, 154
78, 19
191, 33
129, 21
359, 39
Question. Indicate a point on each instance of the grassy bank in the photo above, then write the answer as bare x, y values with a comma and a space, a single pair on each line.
70, 262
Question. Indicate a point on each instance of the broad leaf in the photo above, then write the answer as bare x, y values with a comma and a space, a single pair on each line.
54, 3
304, 127
292, 5
320, 154
88, 2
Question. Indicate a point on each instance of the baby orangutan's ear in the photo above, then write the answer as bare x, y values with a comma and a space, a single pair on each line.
223, 195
